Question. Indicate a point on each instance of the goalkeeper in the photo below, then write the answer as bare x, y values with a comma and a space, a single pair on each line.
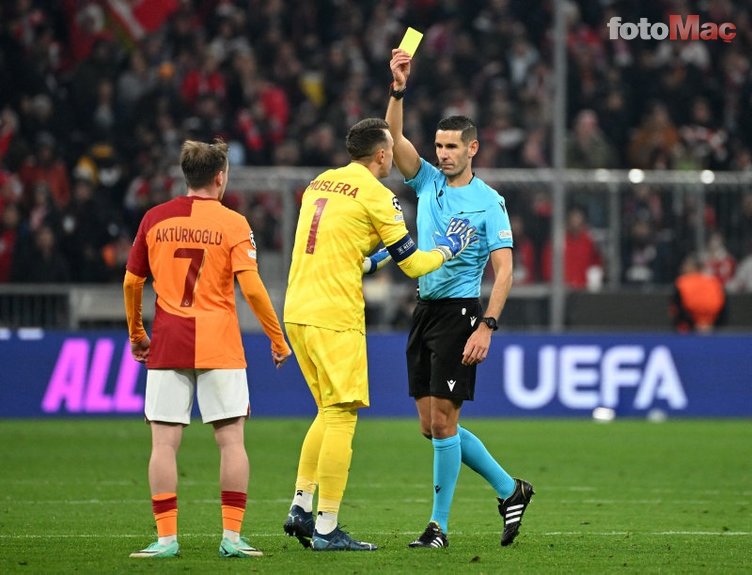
345, 213
451, 332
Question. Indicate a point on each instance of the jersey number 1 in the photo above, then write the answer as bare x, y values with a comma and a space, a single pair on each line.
311, 244
196, 255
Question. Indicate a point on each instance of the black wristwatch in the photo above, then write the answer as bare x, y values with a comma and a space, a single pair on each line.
396, 94
490, 322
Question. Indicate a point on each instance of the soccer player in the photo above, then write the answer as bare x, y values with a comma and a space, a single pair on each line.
345, 213
194, 248
451, 333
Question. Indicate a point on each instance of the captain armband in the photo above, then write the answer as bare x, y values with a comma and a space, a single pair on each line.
402, 249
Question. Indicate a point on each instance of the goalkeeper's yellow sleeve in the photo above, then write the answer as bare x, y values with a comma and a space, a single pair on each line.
133, 291
420, 263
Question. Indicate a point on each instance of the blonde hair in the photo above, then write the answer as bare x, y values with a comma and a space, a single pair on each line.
200, 162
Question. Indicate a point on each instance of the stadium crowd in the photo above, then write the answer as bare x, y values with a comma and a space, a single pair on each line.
97, 96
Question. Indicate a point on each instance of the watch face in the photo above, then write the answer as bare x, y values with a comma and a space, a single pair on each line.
490, 322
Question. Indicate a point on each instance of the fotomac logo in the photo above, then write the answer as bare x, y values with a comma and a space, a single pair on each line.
678, 28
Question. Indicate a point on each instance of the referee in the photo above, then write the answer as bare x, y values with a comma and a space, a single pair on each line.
451, 333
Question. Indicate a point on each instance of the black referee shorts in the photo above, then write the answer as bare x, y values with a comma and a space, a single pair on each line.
438, 335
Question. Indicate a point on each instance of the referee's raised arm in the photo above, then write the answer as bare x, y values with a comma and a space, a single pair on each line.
405, 155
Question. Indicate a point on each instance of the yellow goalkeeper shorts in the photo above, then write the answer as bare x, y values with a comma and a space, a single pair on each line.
333, 363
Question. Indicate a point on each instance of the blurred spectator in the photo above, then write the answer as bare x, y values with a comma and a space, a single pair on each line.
580, 252
99, 66
525, 257
742, 280
535, 153
115, 256
44, 167
8, 127
8, 237
521, 58
502, 141
319, 147
644, 261
679, 81
699, 302
205, 79
704, 142
643, 203
278, 80
616, 122
693, 213
101, 165
262, 121
539, 219
11, 190
718, 261
84, 233
654, 143
86, 23
43, 211
740, 225
42, 118
134, 83
586, 147
102, 120
42, 262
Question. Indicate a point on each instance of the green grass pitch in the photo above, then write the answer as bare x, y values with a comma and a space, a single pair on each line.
624, 497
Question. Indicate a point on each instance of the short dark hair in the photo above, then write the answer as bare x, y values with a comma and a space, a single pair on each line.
460, 124
200, 162
365, 137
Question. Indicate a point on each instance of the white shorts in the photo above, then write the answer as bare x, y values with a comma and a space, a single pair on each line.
221, 393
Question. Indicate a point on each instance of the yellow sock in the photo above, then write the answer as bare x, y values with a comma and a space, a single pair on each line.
309, 456
335, 456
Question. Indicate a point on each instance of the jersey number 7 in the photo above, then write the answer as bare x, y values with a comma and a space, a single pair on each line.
196, 255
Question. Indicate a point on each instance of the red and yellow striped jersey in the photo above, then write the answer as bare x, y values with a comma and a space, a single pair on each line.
193, 247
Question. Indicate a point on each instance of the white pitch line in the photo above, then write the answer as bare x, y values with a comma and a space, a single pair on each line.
636, 501
400, 533
146, 501
651, 533
408, 500
421, 487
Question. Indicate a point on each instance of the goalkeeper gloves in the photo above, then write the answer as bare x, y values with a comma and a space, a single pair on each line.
455, 239
376, 261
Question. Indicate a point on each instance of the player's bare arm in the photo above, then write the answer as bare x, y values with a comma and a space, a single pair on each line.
405, 155
478, 344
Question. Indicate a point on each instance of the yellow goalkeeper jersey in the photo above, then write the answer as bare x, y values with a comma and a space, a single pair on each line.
344, 214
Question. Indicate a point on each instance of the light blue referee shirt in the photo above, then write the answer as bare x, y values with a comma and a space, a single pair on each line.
437, 204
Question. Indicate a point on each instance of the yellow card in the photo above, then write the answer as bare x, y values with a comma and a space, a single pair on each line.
410, 41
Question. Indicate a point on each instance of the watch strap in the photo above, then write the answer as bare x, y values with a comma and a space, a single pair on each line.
396, 94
